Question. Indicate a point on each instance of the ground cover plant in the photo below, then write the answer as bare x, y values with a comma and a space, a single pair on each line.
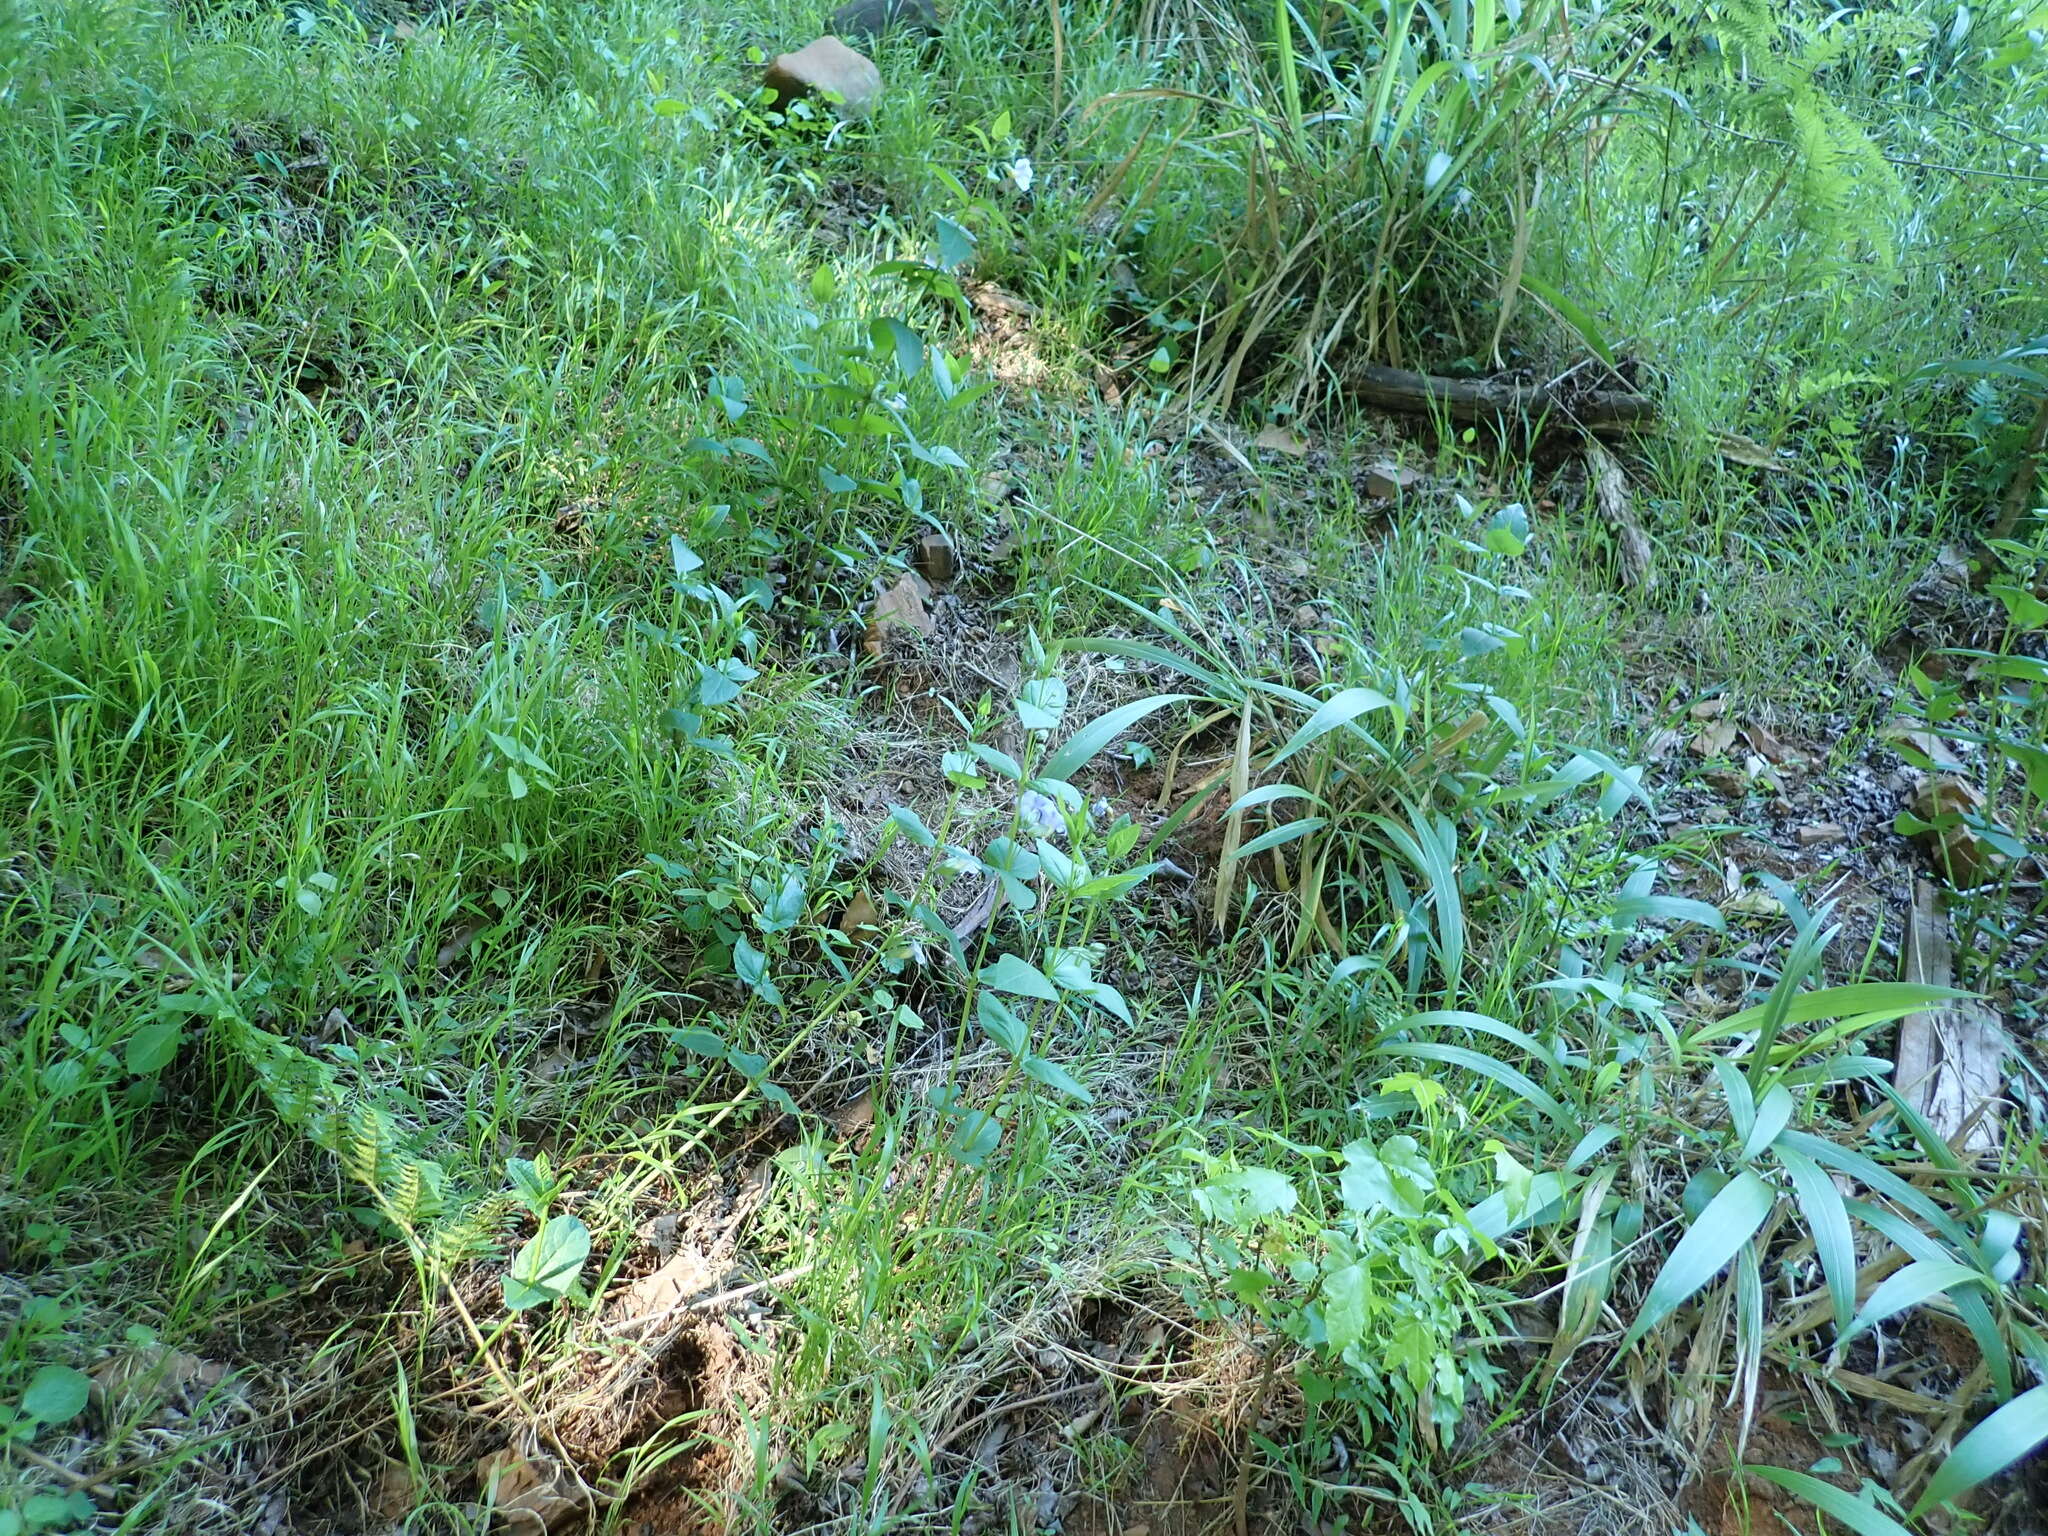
1215, 778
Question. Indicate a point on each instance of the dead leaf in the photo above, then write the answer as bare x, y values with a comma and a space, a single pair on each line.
1728, 784
1959, 853
1774, 748
1387, 481
660, 1296
1757, 904
1710, 709
661, 1233
460, 937
1714, 739
990, 299
393, 1494
175, 969
1929, 746
146, 1375
983, 909
1280, 440
861, 916
901, 606
1662, 743
855, 1115
1738, 449
531, 1491
1617, 509
553, 1064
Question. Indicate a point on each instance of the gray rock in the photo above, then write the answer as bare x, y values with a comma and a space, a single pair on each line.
867, 19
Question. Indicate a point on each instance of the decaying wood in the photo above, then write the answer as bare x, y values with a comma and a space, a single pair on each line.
1596, 410
1617, 510
2019, 495
1950, 1058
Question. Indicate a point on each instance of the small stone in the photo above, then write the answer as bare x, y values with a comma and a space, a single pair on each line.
934, 560
871, 18
830, 69
1820, 833
1386, 482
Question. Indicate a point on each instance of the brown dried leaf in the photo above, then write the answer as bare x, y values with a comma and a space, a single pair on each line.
855, 1115
861, 916
1757, 904
531, 1492
460, 937
1714, 739
1965, 858
1710, 709
141, 1377
393, 1494
1280, 440
1742, 450
900, 606
1774, 748
658, 1297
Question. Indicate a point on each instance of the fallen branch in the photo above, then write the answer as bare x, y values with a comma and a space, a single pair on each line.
1610, 495
1950, 1056
1596, 410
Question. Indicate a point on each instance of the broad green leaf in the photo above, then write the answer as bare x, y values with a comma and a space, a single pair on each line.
2009, 1434
702, 1042
1544, 1201
1081, 748
1346, 1314
1059, 867
956, 245
1970, 1303
1339, 710
1020, 978
152, 1048
1741, 1100
1245, 1195
1000, 1024
1835, 1503
912, 826
1041, 702
752, 968
1058, 1078
977, 1134
1394, 1176
1571, 313
1827, 1220
544, 1269
1918, 1282
909, 346
56, 1394
1730, 1220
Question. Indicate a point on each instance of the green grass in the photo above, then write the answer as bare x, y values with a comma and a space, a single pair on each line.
449, 464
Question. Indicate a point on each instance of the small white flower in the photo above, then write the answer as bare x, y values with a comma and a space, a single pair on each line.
1021, 172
